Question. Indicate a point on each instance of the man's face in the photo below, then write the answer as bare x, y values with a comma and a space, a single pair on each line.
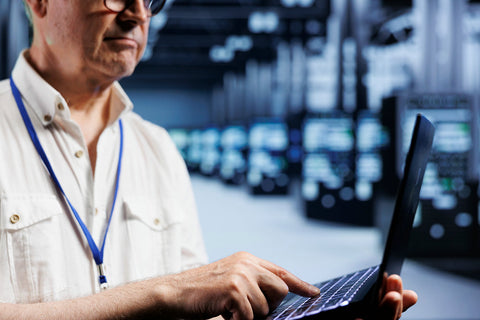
84, 37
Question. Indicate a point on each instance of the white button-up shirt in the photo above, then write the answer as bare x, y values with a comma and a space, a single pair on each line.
43, 252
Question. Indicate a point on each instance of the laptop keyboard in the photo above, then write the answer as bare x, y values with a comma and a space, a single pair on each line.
333, 293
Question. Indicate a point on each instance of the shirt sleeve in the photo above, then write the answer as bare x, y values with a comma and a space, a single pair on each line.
172, 183
193, 249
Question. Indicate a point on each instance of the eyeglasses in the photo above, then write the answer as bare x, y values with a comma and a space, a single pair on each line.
152, 6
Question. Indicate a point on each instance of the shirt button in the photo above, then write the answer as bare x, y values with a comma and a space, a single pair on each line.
60, 107
47, 118
14, 218
79, 154
96, 211
156, 221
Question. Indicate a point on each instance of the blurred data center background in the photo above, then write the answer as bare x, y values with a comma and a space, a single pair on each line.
294, 116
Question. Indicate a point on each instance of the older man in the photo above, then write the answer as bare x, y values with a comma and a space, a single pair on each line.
93, 196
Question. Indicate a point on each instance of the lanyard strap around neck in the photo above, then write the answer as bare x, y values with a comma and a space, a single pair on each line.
97, 254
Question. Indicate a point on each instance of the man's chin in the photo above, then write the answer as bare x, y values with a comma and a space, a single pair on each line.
118, 65
117, 70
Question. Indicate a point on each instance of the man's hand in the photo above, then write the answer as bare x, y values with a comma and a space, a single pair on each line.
395, 300
239, 287
243, 287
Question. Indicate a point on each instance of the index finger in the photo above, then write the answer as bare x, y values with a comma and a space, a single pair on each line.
295, 284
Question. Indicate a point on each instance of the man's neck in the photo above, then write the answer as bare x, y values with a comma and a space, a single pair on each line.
92, 120
79, 90
89, 101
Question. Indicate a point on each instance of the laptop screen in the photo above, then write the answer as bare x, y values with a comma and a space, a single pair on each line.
407, 197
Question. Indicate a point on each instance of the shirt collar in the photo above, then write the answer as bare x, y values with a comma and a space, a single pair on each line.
45, 101
120, 103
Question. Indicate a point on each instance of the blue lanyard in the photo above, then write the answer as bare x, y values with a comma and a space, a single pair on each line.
97, 254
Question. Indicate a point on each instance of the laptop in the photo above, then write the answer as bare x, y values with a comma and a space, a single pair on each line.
357, 294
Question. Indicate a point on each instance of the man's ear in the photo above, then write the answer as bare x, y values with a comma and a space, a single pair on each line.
38, 7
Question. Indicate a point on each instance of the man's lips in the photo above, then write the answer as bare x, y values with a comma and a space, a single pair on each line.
122, 40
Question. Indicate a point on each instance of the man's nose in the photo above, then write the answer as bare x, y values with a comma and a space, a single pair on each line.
135, 11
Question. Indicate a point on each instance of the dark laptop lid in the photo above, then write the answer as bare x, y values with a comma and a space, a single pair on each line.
407, 197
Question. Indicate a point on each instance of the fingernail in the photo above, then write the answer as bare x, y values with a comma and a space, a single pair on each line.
315, 290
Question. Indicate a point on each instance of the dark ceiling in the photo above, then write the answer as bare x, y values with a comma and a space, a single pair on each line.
181, 49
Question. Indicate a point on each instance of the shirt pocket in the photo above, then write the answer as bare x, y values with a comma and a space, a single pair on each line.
154, 235
31, 227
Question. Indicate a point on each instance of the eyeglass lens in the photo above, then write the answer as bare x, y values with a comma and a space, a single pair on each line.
153, 6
